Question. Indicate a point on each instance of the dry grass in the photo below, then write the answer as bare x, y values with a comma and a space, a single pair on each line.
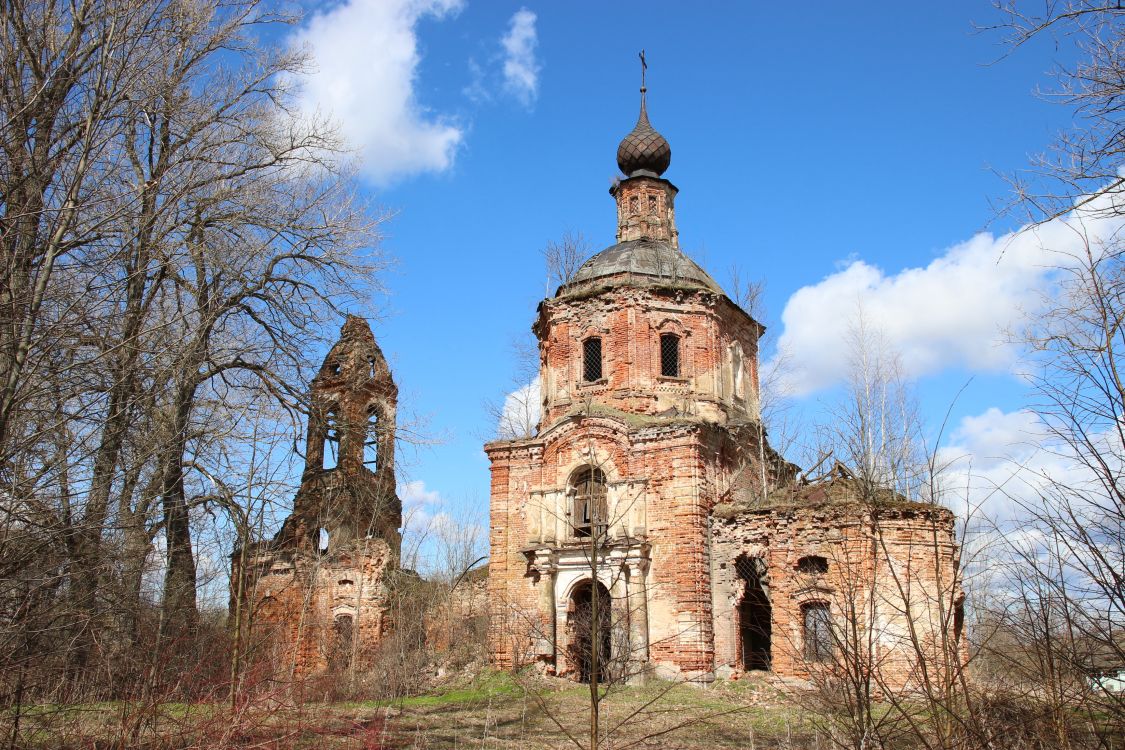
670, 716
495, 711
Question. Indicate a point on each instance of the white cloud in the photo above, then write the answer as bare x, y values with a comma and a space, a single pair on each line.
521, 69
998, 465
420, 506
956, 311
1025, 494
994, 435
415, 495
365, 57
438, 539
520, 413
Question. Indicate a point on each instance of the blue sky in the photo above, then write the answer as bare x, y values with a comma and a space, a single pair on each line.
838, 152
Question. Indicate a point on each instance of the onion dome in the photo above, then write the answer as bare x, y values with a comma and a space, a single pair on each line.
644, 151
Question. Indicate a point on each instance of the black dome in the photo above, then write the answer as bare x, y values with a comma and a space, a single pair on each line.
644, 151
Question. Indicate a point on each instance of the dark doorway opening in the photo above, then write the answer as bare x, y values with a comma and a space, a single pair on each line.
590, 631
343, 636
754, 613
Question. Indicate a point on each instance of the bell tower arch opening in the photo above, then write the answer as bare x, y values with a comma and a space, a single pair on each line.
371, 439
331, 450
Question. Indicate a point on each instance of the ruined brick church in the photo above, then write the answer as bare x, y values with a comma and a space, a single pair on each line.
318, 589
648, 528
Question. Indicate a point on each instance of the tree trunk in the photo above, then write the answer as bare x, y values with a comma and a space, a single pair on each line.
180, 612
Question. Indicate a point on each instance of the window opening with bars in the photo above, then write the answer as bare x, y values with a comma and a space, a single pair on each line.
669, 355
818, 632
592, 359
812, 565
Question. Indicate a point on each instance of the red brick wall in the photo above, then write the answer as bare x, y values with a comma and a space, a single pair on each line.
296, 596
882, 563
629, 321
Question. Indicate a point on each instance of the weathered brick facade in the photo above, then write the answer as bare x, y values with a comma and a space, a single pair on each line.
650, 421
318, 588
887, 571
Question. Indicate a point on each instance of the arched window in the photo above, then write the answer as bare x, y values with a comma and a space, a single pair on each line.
592, 359
588, 504
736, 370
669, 355
817, 631
812, 565
322, 541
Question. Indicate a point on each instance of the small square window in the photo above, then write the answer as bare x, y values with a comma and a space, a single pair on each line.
592, 359
669, 355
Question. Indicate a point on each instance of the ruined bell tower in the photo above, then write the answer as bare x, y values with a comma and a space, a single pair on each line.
348, 486
317, 590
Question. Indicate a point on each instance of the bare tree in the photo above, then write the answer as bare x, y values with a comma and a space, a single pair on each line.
748, 294
175, 238
893, 614
516, 414
563, 258
1069, 555
1066, 545
1084, 160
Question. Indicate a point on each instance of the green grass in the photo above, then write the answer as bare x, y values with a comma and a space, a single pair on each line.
485, 688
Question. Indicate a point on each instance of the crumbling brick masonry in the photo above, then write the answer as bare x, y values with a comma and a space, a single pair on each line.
317, 590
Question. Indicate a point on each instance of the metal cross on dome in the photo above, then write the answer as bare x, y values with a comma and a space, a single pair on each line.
644, 67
